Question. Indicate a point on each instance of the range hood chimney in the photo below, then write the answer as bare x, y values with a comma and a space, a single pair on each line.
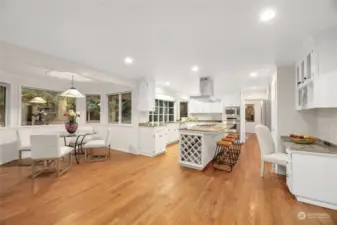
206, 91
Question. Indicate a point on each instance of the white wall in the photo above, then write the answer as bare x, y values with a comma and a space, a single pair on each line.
289, 120
326, 125
256, 95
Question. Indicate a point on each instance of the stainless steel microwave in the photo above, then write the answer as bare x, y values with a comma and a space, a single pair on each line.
233, 111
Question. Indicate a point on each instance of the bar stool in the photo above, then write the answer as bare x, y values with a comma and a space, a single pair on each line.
236, 147
223, 155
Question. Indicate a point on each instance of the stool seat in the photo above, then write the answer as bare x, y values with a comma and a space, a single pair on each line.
224, 143
228, 139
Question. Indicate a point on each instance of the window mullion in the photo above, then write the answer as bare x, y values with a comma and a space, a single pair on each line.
120, 108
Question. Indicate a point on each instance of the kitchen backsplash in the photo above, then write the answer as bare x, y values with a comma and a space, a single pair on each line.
326, 125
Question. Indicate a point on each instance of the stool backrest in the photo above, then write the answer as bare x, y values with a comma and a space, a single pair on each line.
265, 139
44, 146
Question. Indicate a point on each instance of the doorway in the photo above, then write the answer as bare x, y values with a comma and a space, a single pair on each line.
253, 114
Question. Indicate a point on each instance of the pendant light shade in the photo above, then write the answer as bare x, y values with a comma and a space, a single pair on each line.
38, 100
72, 92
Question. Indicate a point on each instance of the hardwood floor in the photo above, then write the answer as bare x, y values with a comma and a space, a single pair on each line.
130, 189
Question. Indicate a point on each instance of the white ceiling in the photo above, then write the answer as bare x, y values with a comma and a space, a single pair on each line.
166, 38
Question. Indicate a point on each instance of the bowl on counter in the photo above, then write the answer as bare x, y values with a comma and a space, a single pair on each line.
300, 139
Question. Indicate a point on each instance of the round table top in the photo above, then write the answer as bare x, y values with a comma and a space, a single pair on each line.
76, 134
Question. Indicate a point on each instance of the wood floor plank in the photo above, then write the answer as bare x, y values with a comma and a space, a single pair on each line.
129, 189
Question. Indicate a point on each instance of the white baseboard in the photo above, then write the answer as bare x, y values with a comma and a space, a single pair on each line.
316, 202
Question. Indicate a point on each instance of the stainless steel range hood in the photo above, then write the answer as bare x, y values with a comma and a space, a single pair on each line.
206, 91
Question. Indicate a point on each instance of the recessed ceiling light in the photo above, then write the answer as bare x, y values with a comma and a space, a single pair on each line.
267, 15
253, 74
195, 68
167, 83
128, 60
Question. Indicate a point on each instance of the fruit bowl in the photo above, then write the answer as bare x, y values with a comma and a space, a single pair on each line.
301, 139
304, 141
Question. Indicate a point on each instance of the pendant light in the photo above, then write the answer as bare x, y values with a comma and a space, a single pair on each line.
72, 92
38, 100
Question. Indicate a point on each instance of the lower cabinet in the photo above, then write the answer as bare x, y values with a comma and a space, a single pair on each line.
153, 140
172, 132
312, 178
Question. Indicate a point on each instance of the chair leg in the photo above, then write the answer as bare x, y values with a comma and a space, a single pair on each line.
262, 168
33, 168
70, 160
58, 167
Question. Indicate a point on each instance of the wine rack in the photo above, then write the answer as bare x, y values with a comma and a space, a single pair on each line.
191, 149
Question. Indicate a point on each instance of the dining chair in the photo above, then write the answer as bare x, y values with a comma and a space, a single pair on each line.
47, 148
98, 143
268, 149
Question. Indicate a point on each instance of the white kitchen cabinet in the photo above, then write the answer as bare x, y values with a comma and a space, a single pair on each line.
316, 75
215, 107
197, 107
312, 178
146, 95
172, 132
230, 100
152, 140
318, 92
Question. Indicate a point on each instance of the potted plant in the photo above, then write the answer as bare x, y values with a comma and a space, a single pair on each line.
71, 125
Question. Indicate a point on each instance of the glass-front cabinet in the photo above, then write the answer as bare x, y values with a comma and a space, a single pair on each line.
164, 111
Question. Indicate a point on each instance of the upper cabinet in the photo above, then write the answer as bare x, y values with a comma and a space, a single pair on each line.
316, 75
146, 95
196, 107
233, 99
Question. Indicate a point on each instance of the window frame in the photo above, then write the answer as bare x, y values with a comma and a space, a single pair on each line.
7, 103
119, 94
164, 113
20, 104
86, 109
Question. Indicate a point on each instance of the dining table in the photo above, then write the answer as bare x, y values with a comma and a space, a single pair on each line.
79, 141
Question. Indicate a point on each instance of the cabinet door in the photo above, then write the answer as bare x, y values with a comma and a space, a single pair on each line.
314, 64
191, 106
159, 138
205, 107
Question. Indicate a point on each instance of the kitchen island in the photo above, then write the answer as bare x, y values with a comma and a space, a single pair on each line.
197, 144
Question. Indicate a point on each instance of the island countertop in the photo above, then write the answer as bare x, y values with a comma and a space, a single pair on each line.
215, 128
319, 147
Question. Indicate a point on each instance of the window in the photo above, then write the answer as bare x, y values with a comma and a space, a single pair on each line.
164, 112
42, 107
2, 105
120, 108
93, 103
183, 109
126, 108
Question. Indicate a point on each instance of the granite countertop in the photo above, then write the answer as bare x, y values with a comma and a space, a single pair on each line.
152, 124
213, 129
147, 124
319, 146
